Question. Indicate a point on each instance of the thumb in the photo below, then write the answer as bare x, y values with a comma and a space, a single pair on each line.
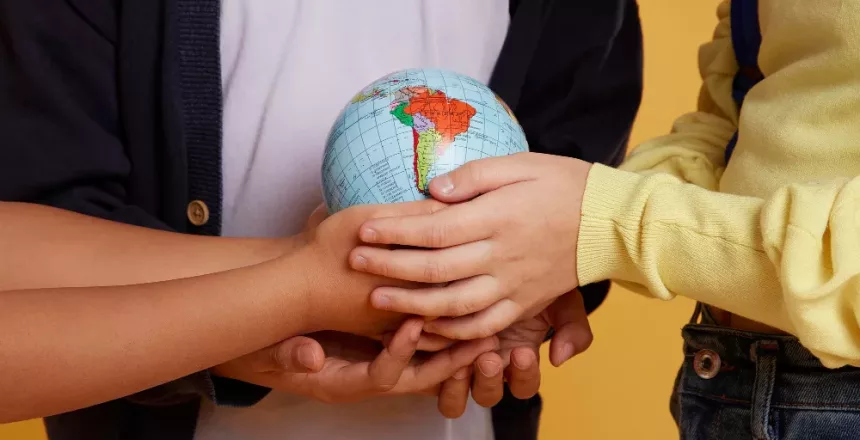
295, 355
481, 176
573, 335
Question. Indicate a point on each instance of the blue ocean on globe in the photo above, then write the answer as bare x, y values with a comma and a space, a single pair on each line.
408, 127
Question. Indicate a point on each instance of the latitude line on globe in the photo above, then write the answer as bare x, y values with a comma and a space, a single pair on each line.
499, 133
352, 186
346, 143
397, 135
413, 189
466, 133
483, 138
349, 159
365, 151
353, 158
382, 146
427, 183
340, 194
353, 161
366, 147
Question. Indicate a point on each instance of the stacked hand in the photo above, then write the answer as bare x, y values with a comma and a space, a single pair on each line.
498, 271
503, 262
338, 368
505, 253
338, 365
339, 296
517, 361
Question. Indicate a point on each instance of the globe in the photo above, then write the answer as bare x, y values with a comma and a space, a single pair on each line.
408, 127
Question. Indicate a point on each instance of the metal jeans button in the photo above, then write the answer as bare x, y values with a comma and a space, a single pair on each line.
706, 363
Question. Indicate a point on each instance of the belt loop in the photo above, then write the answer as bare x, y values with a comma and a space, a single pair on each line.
764, 353
697, 312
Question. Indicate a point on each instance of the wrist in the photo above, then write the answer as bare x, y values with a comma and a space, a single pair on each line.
301, 288
261, 250
611, 213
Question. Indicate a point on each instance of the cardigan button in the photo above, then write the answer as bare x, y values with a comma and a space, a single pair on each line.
198, 213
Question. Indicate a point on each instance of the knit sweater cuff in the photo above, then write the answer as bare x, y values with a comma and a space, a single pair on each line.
607, 223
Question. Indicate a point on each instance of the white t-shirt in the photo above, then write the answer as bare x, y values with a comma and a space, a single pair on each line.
288, 67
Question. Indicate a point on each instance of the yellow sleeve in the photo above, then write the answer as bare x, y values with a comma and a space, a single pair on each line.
791, 262
695, 148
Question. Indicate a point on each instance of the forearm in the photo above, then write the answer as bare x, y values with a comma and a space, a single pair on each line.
63, 348
664, 238
45, 247
69, 348
789, 261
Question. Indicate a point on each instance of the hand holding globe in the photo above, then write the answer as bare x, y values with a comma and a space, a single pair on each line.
495, 256
408, 127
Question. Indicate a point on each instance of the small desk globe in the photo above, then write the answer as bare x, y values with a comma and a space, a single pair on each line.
408, 127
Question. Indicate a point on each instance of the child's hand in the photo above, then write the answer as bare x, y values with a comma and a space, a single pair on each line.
517, 361
507, 251
339, 368
338, 297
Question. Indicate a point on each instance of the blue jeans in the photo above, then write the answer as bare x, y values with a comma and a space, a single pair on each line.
742, 385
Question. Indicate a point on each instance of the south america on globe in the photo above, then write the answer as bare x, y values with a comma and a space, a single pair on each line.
408, 127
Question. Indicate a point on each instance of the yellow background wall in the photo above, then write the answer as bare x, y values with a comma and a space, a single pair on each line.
620, 388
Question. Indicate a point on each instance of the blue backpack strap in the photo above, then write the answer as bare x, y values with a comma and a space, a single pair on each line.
746, 40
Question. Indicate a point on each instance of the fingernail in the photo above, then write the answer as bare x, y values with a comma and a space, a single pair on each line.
461, 373
381, 301
489, 368
307, 356
368, 235
445, 184
359, 262
521, 360
567, 352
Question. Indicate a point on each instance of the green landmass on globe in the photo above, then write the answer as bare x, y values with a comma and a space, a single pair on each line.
451, 119
435, 121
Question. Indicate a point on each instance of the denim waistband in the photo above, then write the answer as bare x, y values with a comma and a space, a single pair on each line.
728, 364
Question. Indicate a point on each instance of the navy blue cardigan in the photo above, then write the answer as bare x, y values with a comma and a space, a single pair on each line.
112, 108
